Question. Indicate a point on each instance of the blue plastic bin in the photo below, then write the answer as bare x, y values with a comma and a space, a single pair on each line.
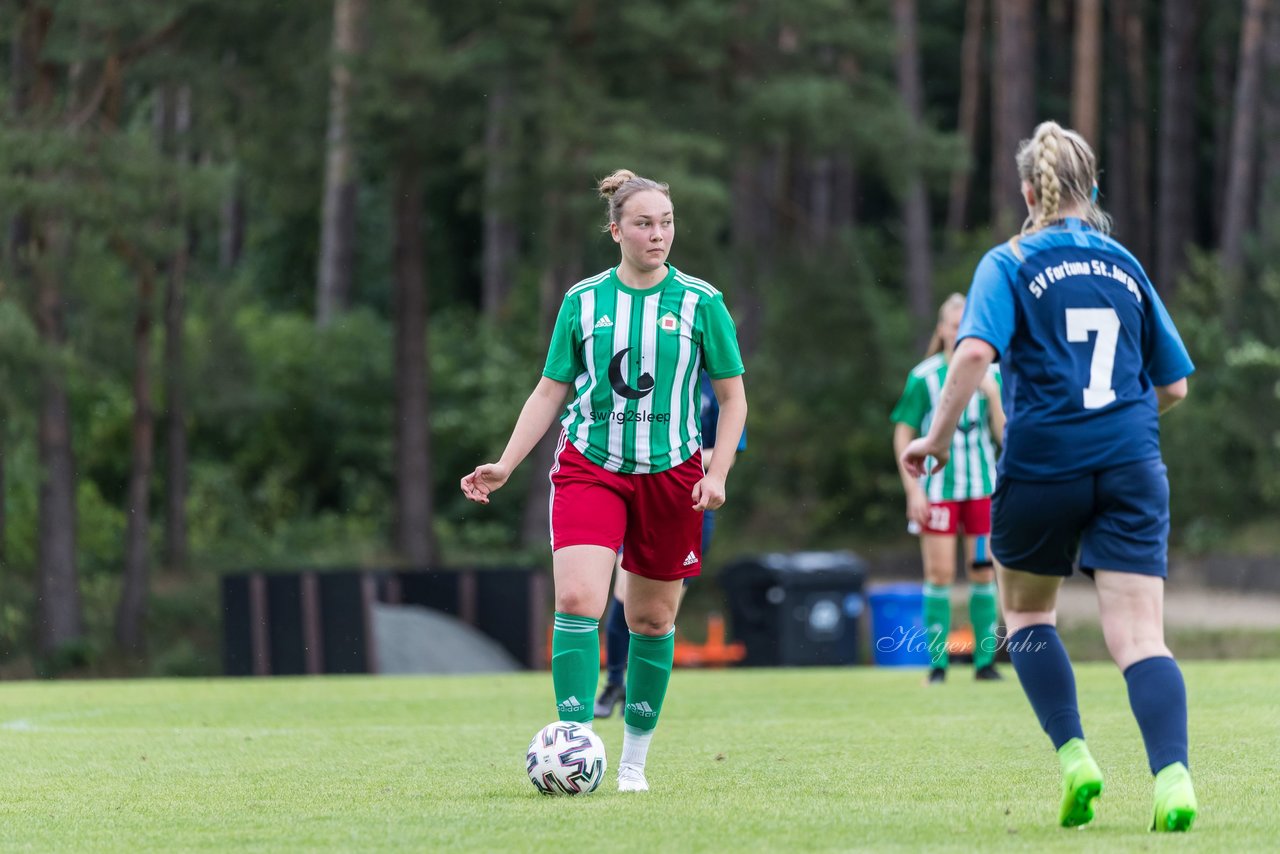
898, 636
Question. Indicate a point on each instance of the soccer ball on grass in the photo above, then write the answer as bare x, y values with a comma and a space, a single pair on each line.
566, 758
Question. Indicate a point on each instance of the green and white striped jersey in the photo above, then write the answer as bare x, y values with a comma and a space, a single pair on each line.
971, 471
633, 357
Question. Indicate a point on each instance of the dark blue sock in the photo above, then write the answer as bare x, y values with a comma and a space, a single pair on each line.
617, 643
1041, 662
1158, 697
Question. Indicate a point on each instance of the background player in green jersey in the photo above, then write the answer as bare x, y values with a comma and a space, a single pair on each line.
625, 354
955, 500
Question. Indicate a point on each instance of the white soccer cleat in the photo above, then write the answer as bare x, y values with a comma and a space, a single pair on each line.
631, 779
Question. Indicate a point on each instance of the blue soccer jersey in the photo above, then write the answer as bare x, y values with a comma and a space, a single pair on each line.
1083, 340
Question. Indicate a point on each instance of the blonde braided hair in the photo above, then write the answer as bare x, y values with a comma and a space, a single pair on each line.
1062, 171
1045, 177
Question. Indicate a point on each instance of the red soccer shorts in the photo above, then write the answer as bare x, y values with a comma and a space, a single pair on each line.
650, 515
972, 517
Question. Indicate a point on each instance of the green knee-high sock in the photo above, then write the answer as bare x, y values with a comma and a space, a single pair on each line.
648, 672
937, 621
575, 665
982, 616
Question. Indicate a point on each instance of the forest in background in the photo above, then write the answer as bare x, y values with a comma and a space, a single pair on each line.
275, 275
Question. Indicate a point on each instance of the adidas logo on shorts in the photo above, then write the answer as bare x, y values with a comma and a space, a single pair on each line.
691, 559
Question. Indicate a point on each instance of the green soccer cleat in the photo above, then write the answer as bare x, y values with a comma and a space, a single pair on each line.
1081, 783
1175, 799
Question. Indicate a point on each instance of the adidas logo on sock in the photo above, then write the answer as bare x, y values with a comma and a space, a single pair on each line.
643, 709
604, 322
570, 705
691, 559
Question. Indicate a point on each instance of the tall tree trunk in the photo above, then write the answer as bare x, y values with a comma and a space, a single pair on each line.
1087, 70
27, 40
1054, 54
61, 614
1175, 199
749, 247
176, 457
44, 246
1269, 198
975, 16
753, 232
844, 193
501, 240
563, 268
1013, 116
175, 529
1222, 74
338, 219
1117, 166
820, 199
231, 225
4, 513
21, 68
1244, 141
131, 613
915, 244
413, 533
1139, 186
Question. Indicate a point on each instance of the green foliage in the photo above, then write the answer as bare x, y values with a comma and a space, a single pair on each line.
299, 418
819, 466
290, 426
1222, 444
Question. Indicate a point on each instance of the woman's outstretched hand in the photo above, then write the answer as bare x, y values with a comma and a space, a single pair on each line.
914, 456
485, 479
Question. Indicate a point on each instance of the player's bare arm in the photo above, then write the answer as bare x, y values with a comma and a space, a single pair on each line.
917, 501
539, 411
1169, 396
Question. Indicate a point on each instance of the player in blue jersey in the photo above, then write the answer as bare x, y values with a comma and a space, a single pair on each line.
1090, 360
617, 635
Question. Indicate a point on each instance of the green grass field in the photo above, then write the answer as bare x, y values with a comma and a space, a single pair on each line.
744, 760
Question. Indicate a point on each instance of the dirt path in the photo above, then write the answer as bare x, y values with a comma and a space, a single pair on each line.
1183, 606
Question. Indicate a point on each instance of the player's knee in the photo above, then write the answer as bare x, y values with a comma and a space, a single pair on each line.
1016, 620
650, 624
578, 603
941, 575
1128, 643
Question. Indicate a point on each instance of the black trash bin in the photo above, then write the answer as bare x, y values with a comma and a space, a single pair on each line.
795, 609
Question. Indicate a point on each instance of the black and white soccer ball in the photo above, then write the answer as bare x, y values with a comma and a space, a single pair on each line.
566, 758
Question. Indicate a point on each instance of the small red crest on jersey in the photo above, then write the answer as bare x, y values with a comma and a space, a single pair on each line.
669, 322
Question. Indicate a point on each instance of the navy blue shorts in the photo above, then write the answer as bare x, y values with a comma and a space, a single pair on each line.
1115, 519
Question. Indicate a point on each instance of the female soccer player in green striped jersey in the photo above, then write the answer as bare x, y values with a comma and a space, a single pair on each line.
625, 356
955, 500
